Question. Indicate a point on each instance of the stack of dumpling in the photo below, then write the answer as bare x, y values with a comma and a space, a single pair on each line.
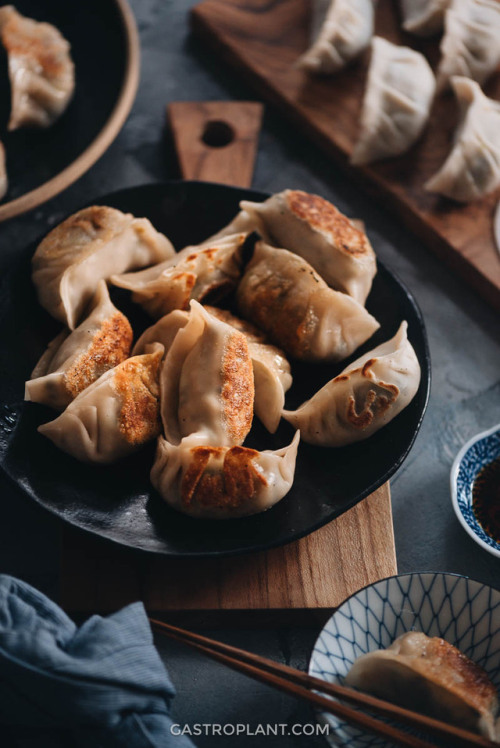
195, 378
401, 85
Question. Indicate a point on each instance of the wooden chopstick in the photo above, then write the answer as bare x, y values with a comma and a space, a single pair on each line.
297, 683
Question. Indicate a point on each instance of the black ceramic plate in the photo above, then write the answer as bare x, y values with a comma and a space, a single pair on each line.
117, 502
105, 50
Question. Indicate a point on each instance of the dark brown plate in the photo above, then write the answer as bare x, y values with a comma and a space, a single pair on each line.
118, 502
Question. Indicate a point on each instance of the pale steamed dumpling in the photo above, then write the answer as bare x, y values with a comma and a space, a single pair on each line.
396, 104
424, 17
73, 360
429, 675
113, 417
471, 43
206, 271
366, 396
221, 482
94, 243
282, 294
41, 71
313, 228
472, 168
341, 30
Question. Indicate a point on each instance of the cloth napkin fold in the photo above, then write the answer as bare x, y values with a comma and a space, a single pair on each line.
102, 684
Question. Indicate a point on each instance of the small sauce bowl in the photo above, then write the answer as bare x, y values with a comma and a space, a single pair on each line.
476, 454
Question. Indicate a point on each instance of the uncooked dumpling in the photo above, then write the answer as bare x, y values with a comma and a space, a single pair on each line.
271, 370
41, 71
74, 360
471, 41
472, 169
366, 396
396, 104
113, 417
341, 30
314, 229
431, 676
207, 382
94, 243
222, 482
282, 294
424, 17
204, 272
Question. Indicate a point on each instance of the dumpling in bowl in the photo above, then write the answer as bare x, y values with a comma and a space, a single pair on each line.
282, 294
207, 382
341, 30
470, 45
222, 482
396, 104
41, 71
366, 396
271, 370
113, 417
204, 272
94, 243
472, 169
424, 17
74, 360
313, 228
429, 675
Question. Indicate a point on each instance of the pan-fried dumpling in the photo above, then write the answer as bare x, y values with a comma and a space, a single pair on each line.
113, 417
92, 244
314, 229
199, 273
470, 45
368, 394
282, 294
431, 676
207, 382
396, 104
341, 30
271, 370
222, 482
74, 360
472, 168
424, 17
4, 182
41, 71
163, 331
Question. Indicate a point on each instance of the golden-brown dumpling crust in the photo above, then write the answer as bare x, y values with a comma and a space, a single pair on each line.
138, 387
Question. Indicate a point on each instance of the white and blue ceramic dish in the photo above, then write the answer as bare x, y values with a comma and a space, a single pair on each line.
464, 612
478, 452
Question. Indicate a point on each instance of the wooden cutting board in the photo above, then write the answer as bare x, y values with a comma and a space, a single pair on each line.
299, 583
263, 39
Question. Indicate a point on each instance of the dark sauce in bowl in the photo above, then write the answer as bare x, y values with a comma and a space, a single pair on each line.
486, 498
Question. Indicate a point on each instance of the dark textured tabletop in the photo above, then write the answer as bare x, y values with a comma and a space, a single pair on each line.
464, 342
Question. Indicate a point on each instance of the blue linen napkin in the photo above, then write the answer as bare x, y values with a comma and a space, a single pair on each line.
102, 684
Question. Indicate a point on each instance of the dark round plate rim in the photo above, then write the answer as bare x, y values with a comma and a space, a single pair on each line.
103, 139
294, 535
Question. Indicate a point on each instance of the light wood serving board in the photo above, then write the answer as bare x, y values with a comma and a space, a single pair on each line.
300, 583
263, 38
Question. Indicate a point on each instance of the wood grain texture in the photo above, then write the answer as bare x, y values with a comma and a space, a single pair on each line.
263, 39
302, 581
231, 164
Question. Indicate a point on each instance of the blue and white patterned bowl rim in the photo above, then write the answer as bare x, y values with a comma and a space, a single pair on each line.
474, 455
461, 610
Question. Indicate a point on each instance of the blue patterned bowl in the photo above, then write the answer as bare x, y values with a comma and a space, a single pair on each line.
478, 452
464, 612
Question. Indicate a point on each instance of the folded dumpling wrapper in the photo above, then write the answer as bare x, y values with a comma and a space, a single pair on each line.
94, 243
283, 295
73, 360
221, 482
41, 71
366, 396
423, 17
429, 675
113, 417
